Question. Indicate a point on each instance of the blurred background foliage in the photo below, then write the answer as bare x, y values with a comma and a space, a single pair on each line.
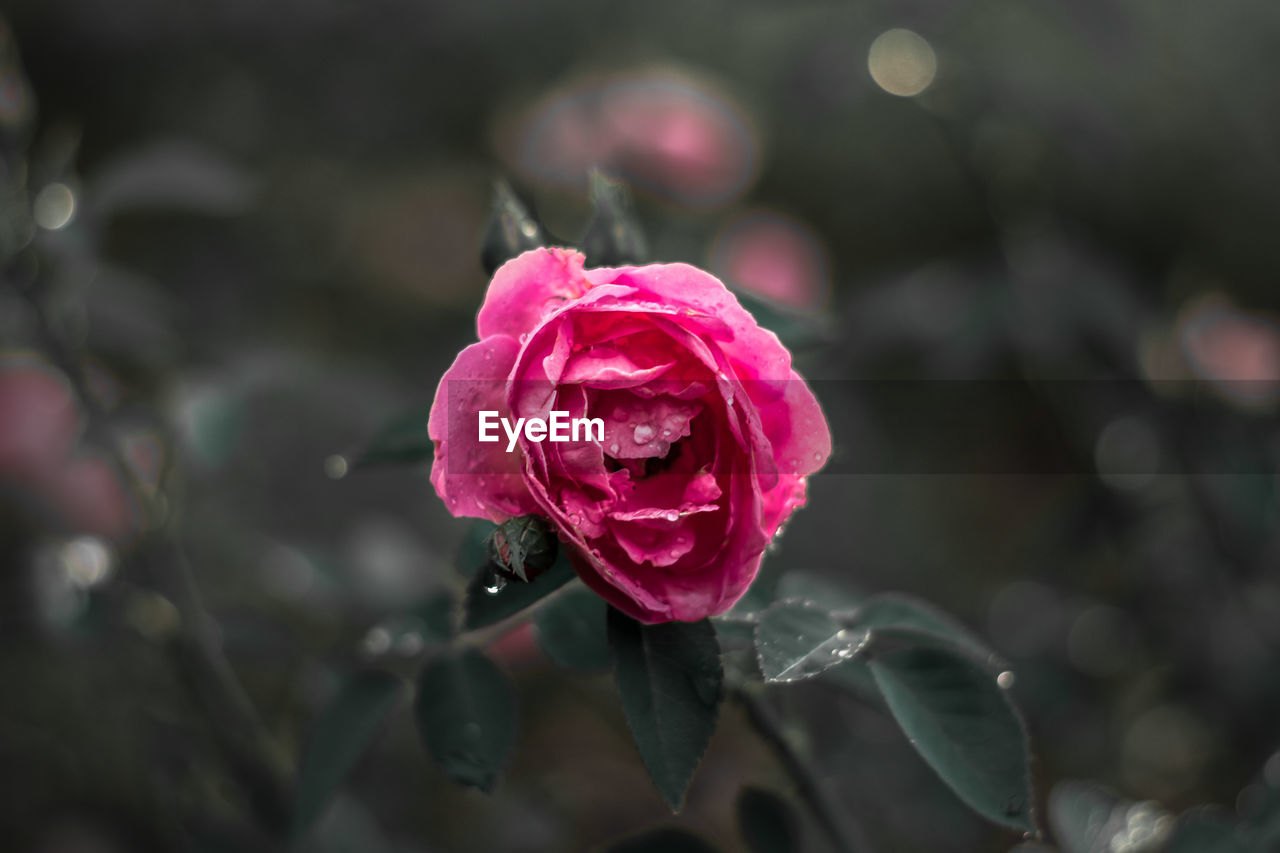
263, 221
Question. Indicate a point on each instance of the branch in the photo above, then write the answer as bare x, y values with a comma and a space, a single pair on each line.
844, 836
250, 752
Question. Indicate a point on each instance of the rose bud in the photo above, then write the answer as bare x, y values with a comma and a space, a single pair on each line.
512, 229
522, 548
613, 236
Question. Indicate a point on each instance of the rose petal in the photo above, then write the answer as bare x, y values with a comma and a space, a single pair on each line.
801, 442
642, 429
756, 353
474, 478
527, 288
610, 369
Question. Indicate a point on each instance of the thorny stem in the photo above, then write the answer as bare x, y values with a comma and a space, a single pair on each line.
251, 753
844, 836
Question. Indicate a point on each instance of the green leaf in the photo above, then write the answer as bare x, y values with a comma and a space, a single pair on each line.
961, 722
855, 677
895, 610
466, 715
766, 822
340, 736
671, 683
482, 607
667, 839
797, 639
402, 441
573, 632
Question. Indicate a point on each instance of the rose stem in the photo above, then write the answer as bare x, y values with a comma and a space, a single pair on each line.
843, 836
250, 752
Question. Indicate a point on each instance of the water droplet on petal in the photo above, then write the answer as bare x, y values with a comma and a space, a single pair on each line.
817, 457
643, 434
666, 432
1006, 679
524, 337
613, 448
671, 515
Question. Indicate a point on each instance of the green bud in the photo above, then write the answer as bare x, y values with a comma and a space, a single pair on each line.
523, 548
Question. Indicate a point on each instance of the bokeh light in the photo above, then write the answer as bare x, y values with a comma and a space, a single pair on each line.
902, 62
335, 466
1164, 751
1128, 453
87, 560
287, 572
55, 206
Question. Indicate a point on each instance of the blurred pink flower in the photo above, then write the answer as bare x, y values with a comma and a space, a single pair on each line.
775, 257
40, 461
1237, 351
666, 131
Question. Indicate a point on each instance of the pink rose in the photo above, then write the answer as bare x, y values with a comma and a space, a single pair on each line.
708, 434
